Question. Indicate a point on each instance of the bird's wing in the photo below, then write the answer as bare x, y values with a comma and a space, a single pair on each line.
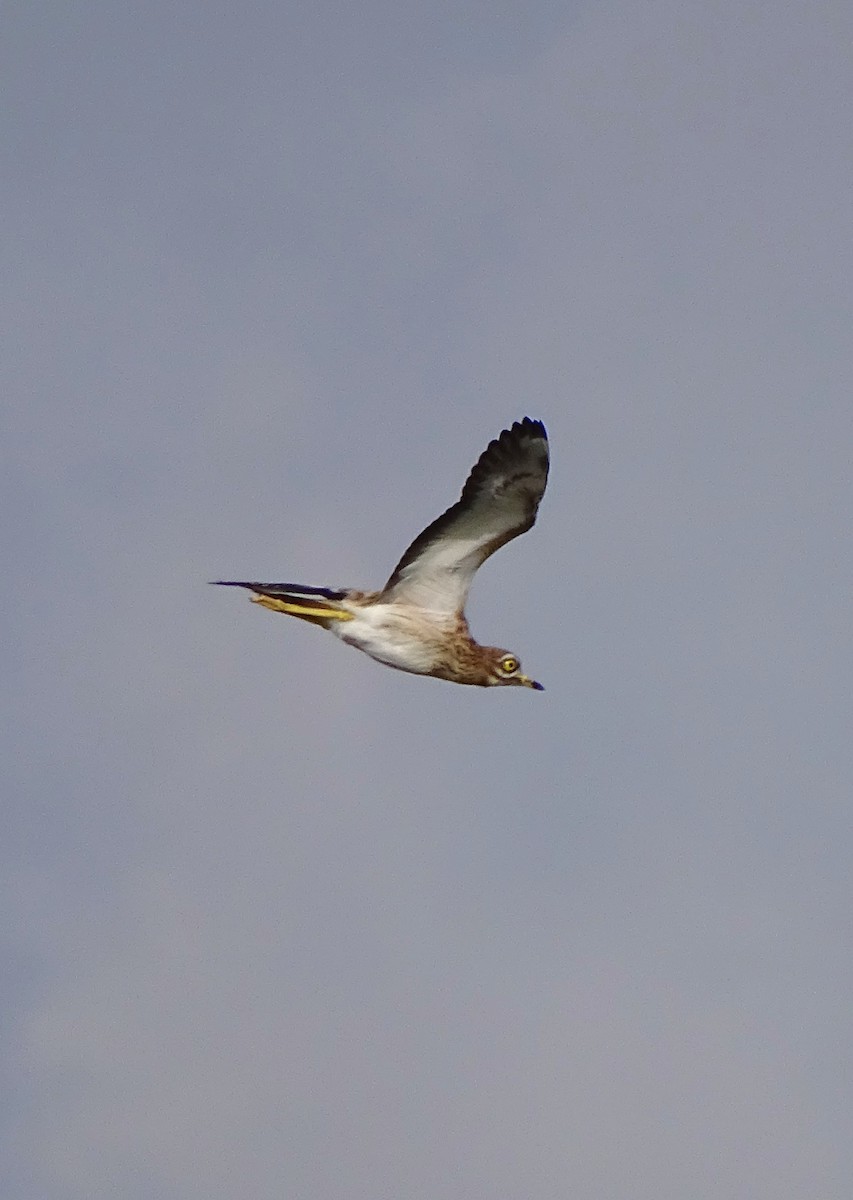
499, 501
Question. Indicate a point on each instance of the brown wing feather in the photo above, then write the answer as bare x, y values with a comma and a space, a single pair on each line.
499, 502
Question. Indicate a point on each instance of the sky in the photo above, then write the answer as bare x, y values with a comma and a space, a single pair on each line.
277, 921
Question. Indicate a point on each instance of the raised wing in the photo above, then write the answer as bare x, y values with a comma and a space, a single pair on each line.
499, 501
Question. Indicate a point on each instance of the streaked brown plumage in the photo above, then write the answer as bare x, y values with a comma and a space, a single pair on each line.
416, 623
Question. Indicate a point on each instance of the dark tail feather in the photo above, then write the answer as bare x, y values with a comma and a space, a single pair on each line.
284, 590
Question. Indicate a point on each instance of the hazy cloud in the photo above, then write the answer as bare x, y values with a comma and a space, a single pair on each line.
279, 922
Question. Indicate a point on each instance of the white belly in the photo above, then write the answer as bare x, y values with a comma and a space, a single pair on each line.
393, 635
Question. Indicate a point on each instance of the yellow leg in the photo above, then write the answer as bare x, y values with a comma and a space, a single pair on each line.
301, 610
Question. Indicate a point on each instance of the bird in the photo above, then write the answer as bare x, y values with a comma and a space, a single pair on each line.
417, 623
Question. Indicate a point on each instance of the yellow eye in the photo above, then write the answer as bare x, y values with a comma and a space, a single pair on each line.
509, 664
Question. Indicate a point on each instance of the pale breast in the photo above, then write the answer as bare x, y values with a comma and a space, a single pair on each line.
398, 636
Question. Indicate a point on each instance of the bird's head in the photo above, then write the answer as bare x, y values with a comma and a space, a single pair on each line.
505, 670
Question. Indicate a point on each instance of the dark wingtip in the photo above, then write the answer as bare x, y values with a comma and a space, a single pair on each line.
531, 425
285, 590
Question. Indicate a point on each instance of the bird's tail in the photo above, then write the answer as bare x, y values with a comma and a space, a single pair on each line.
316, 604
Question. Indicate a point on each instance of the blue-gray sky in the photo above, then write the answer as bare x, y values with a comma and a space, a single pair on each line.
279, 922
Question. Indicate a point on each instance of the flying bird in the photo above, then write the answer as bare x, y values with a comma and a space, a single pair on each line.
417, 622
